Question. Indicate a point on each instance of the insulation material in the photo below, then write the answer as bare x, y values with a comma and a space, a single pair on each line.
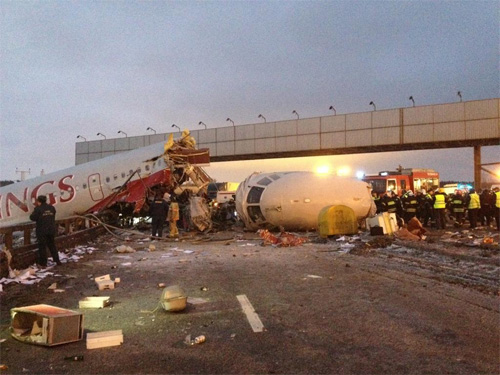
200, 215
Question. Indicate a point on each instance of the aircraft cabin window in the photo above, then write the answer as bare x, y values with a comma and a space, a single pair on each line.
115, 177
265, 181
254, 194
147, 167
139, 170
130, 172
107, 179
123, 174
94, 179
84, 186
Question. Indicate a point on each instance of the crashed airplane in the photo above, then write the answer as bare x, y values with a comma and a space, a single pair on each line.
110, 184
293, 200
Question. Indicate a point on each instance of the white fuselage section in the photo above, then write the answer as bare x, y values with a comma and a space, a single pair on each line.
77, 189
294, 200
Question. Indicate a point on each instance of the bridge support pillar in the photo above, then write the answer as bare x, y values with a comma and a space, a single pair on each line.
477, 167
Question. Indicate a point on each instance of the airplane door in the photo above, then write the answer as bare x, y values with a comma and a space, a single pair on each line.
95, 187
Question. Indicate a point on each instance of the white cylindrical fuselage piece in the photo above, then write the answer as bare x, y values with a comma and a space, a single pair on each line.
294, 200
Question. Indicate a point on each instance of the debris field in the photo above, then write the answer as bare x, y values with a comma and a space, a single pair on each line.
341, 305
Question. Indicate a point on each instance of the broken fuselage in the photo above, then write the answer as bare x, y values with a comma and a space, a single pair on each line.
293, 200
97, 185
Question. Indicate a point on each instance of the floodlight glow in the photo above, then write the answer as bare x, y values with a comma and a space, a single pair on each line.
344, 171
323, 169
360, 175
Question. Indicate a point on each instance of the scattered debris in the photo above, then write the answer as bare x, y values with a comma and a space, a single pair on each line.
285, 239
46, 325
105, 282
104, 339
197, 340
124, 249
94, 302
173, 298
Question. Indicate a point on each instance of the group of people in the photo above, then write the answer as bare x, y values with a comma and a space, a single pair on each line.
431, 207
162, 208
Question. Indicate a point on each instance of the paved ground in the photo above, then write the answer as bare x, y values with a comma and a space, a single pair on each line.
424, 309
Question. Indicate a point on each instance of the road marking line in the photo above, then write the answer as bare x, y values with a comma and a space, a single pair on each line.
249, 311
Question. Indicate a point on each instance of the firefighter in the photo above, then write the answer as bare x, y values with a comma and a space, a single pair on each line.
473, 206
425, 207
173, 217
410, 205
497, 207
378, 201
457, 203
439, 205
487, 200
392, 204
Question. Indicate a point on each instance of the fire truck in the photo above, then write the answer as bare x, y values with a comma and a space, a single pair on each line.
403, 179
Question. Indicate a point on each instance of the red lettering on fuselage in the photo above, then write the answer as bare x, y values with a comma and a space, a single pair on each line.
65, 187
21, 204
35, 193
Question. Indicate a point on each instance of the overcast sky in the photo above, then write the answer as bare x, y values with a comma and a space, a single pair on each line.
83, 67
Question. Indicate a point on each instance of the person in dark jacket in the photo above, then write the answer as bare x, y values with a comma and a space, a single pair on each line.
158, 210
44, 215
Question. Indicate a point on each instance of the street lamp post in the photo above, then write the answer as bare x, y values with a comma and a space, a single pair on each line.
79, 136
151, 129
175, 126
262, 117
228, 119
102, 135
202, 124
374, 107
460, 95
411, 98
333, 109
295, 113
119, 131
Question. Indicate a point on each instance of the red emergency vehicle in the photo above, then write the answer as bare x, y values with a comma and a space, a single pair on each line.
404, 179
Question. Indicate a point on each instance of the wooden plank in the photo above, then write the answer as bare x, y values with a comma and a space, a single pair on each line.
104, 339
93, 302
249, 311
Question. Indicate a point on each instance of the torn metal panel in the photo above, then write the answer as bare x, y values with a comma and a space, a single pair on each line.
293, 200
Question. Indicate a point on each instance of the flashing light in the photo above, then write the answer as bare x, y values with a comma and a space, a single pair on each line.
383, 173
360, 175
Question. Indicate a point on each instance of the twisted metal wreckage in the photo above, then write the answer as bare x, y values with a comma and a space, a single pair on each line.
117, 185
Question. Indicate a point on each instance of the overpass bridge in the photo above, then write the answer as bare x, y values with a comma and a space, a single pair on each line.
462, 124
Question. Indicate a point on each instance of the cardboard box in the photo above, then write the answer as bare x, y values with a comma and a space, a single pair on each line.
46, 325
94, 302
104, 339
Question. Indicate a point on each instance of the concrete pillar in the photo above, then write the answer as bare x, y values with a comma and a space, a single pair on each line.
477, 167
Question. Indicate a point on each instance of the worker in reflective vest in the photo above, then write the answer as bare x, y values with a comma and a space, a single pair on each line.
473, 207
439, 200
497, 207
458, 207
172, 217
410, 206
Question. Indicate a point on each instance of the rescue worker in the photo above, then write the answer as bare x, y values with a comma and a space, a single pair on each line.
378, 202
392, 204
410, 206
497, 207
424, 211
158, 210
439, 205
173, 217
44, 215
487, 200
457, 203
473, 206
